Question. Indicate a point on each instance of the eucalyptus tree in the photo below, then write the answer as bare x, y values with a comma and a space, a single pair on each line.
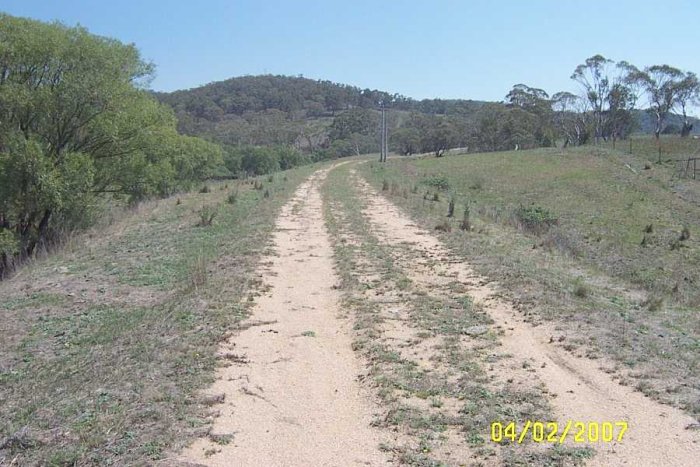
662, 85
608, 88
688, 92
571, 117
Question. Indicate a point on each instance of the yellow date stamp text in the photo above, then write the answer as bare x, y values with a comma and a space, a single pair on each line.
558, 433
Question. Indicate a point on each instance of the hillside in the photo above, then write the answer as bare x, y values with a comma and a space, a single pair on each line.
645, 122
262, 110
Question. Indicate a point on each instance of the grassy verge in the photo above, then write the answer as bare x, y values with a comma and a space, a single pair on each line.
564, 233
437, 387
106, 344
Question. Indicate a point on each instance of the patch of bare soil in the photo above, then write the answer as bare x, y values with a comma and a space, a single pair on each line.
576, 388
290, 395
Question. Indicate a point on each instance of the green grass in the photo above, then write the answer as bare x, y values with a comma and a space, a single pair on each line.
589, 271
107, 344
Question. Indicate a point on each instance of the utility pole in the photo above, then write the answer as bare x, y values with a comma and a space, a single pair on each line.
384, 150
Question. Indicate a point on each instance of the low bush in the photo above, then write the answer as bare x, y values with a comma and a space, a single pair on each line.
535, 219
438, 181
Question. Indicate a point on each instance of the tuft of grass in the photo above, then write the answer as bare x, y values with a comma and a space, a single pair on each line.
232, 197
581, 290
205, 189
444, 226
685, 234
198, 274
206, 215
385, 185
654, 303
466, 221
451, 208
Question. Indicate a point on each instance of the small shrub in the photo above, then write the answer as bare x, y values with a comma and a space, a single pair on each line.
266, 194
178, 202
451, 208
207, 215
649, 228
205, 189
685, 234
258, 185
426, 196
385, 185
438, 181
436, 196
271, 178
414, 190
285, 179
444, 227
466, 222
535, 219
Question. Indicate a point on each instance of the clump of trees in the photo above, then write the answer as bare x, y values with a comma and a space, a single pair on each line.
610, 93
243, 161
77, 125
607, 107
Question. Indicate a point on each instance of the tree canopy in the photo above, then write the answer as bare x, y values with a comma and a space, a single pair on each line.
75, 124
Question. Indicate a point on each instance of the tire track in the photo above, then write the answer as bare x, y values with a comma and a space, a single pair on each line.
291, 396
579, 390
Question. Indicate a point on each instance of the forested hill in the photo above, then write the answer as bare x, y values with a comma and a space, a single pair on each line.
261, 110
300, 96
327, 119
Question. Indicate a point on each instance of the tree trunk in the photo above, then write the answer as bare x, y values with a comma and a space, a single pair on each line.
687, 127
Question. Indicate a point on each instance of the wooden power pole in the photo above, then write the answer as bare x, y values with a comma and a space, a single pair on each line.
384, 150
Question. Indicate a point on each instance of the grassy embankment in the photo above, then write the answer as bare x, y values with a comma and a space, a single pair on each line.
602, 243
106, 343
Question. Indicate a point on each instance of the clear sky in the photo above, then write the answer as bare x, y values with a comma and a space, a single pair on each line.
422, 49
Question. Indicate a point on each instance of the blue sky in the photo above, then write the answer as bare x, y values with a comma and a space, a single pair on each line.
422, 49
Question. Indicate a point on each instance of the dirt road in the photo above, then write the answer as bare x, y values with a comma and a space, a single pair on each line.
292, 394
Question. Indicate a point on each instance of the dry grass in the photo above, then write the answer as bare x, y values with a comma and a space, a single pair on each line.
106, 343
611, 273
